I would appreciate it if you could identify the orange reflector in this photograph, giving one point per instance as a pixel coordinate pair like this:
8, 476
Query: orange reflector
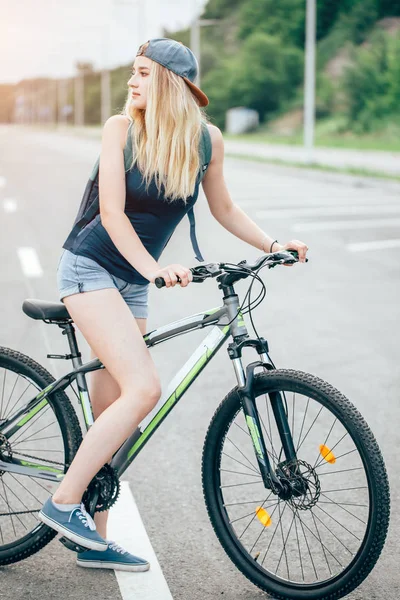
327, 454
263, 516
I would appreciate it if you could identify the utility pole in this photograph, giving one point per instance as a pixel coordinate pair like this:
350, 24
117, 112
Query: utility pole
195, 40
309, 81
79, 108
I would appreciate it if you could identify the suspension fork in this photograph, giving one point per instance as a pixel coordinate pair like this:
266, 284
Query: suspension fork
247, 399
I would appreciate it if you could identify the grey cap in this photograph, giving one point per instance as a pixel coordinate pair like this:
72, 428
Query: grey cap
178, 58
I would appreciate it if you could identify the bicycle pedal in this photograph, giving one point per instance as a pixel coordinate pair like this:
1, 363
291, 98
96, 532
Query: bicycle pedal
72, 545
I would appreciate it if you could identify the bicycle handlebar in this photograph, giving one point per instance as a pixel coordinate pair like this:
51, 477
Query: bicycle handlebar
236, 272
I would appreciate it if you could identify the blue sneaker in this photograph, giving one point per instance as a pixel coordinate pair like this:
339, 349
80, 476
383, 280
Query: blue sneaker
76, 525
115, 557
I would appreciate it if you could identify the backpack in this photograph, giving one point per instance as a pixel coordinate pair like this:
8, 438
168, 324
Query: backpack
89, 206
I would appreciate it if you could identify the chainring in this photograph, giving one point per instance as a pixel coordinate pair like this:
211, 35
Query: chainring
106, 484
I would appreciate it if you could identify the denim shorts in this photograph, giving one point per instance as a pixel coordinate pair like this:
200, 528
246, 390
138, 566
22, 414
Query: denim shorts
77, 274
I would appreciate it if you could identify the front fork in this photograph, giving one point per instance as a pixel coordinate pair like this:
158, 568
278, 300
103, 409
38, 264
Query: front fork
247, 397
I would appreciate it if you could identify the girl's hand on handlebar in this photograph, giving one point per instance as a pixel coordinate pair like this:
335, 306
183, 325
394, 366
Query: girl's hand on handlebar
173, 274
294, 245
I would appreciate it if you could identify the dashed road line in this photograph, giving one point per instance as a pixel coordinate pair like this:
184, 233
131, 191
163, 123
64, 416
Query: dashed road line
9, 205
376, 245
30, 263
327, 211
327, 225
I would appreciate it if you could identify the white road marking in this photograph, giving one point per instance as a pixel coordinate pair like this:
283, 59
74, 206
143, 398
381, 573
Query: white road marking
126, 527
3, 181
327, 225
9, 205
29, 262
377, 245
327, 211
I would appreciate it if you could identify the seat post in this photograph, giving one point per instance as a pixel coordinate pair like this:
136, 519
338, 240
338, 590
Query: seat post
75, 355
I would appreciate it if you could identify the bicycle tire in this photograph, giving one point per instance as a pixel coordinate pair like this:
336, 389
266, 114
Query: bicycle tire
339, 405
71, 434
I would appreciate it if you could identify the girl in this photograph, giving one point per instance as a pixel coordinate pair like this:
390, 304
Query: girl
104, 281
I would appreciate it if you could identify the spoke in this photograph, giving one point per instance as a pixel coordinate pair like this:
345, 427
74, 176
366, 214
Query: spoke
298, 545
244, 456
248, 502
341, 504
319, 537
251, 514
302, 425
362, 487
237, 484
29, 492
241, 428
326, 439
240, 463
12, 391
51, 437
7, 503
284, 548
273, 455
308, 547
32, 421
16, 514
312, 533
340, 542
254, 516
36, 450
293, 419
240, 473
263, 528
311, 426
337, 457
276, 529
336, 521
269, 424
2, 393
341, 471
10, 416
36, 432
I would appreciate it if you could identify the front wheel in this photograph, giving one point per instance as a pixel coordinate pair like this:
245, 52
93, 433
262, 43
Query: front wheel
323, 543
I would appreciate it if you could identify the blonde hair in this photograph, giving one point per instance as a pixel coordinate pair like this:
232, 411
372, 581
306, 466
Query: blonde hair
166, 135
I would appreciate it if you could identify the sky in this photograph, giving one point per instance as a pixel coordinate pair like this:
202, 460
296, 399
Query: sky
45, 38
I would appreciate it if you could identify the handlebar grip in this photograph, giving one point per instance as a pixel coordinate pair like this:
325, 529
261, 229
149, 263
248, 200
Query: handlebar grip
295, 253
160, 281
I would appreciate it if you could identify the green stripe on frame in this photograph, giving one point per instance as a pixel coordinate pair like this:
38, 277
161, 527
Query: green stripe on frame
32, 413
171, 400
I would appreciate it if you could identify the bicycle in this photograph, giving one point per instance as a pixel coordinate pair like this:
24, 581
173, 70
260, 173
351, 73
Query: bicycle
264, 455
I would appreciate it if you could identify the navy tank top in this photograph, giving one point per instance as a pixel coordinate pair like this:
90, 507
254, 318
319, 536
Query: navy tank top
153, 218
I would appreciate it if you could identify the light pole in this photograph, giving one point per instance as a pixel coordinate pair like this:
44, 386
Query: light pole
309, 81
105, 71
195, 39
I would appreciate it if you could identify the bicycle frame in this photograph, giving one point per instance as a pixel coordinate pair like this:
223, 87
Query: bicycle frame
218, 318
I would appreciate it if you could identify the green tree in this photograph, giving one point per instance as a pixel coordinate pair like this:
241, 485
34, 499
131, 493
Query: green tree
285, 18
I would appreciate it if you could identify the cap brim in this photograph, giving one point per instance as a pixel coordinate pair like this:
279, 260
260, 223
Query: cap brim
202, 98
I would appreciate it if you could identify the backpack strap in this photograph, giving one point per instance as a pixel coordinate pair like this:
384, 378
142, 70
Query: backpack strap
90, 206
205, 157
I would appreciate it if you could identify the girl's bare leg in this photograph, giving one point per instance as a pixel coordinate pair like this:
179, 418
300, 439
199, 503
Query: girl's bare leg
103, 391
113, 334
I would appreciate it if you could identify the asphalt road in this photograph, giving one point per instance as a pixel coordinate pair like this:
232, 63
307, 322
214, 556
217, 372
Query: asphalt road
336, 317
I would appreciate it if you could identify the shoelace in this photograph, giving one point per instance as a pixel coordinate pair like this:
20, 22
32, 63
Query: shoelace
114, 546
86, 519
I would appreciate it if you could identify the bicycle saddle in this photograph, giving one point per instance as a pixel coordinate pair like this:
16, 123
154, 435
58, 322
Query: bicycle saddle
43, 309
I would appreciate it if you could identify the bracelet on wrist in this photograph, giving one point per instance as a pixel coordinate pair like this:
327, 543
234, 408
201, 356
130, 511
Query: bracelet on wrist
270, 249
262, 244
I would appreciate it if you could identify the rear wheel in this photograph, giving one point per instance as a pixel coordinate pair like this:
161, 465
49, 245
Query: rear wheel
324, 542
51, 438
